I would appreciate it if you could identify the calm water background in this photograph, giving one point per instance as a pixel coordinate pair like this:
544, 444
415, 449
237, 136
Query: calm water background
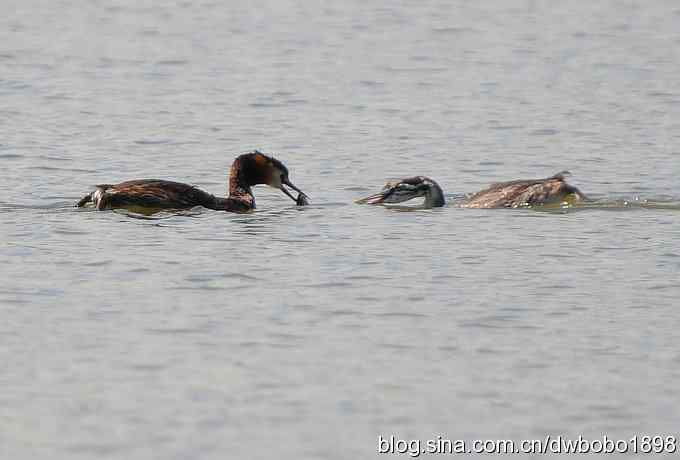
307, 332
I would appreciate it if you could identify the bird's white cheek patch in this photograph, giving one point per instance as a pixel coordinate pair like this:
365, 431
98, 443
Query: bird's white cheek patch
97, 195
275, 182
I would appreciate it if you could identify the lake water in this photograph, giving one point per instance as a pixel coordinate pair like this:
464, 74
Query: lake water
307, 333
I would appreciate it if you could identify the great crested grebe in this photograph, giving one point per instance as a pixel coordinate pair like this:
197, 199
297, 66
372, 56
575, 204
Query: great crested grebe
149, 195
553, 190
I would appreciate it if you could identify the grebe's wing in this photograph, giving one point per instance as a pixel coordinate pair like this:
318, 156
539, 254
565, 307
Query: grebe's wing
150, 193
513, 194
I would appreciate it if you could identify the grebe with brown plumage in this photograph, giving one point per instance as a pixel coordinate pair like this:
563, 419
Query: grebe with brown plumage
551, 191
151, 195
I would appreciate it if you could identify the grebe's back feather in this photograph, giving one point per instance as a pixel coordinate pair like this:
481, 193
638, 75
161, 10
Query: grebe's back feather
149, 193
517, 193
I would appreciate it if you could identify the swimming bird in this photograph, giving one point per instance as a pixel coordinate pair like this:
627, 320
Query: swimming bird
553, 190
151, 195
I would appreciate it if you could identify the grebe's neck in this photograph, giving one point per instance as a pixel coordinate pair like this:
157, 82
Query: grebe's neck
434, 198
239, 184
239, 189
240, 197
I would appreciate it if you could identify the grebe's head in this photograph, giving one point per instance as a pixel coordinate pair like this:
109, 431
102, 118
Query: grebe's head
257, 168
408, 189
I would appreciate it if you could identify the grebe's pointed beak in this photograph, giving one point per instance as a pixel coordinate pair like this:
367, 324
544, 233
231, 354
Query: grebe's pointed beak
392, 192
377, 198
301, 200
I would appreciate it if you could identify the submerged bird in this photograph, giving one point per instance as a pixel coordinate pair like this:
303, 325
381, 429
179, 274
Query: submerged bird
553, 190
408, 189
150, 195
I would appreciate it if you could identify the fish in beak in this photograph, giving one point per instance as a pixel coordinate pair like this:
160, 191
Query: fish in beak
301, 200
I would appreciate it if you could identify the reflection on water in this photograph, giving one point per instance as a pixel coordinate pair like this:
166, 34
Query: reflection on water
592, 203
661, 203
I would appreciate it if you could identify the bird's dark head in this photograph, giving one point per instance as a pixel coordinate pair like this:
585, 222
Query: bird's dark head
257, 168
406, 189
